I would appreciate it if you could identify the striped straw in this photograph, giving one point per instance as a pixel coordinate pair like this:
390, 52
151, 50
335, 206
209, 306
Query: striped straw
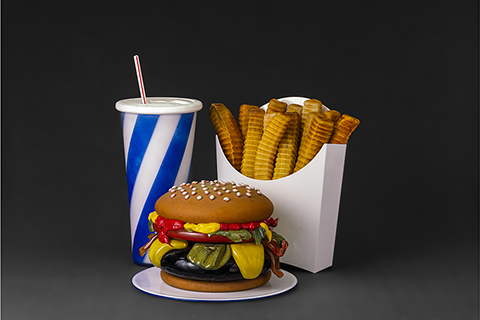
140, 78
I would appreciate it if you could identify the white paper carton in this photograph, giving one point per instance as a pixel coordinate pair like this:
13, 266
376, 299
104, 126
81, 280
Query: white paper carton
306, 203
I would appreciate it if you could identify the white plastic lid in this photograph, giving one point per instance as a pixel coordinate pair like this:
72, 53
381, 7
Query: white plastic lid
159, 105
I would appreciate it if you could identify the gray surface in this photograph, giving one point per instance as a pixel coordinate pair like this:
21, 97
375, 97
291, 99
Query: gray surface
425, 283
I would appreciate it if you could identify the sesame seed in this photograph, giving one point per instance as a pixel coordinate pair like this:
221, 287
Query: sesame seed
173, 195
226, 199
206, 192
212, 197
239, 194
199, 198
248, 194
187, 196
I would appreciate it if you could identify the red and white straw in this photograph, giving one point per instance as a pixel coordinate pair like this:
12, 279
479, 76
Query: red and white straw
140, 78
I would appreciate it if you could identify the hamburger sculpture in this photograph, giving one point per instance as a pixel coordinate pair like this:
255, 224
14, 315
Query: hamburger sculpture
214, 236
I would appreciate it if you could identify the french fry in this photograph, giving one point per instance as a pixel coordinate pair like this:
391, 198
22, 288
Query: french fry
275, 106
343, 129
250, 146
296, 108
267, 148
228, 133
266, 119
275, 143
288, 147
318, 134
309, 106
243, 118
312, 105
306, 123
333, 115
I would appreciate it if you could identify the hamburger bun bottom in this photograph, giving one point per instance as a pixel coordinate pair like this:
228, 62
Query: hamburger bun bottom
209, 286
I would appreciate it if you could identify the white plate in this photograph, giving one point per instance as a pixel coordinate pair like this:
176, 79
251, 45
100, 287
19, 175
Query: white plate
149, 281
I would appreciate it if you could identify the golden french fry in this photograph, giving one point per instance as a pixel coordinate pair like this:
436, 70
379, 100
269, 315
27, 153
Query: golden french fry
228, 133
296, 108
309, 106
250, 146
307, 120
282, 170
275, 106
333, 115
243, 118
266, 119
284, 165
288, 147
343, 129
319, 133
267, 148
312, 105
282, 140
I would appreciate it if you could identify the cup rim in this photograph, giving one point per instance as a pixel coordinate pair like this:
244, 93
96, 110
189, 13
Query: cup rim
159, 105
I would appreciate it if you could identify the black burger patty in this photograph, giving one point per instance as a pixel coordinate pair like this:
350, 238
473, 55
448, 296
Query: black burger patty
175, 262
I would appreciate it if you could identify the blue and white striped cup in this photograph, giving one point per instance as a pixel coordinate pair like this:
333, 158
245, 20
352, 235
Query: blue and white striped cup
158, 138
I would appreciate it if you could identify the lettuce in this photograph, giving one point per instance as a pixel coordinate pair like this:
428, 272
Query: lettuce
234, 235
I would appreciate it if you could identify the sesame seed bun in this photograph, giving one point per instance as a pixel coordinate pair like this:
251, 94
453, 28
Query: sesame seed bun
214, 201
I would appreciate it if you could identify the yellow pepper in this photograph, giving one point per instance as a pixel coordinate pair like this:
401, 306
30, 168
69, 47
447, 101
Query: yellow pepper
249, 258
158, 249
268, 233
153, 216
202, 227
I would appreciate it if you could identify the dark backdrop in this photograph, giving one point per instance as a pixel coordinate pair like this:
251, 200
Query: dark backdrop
407, 69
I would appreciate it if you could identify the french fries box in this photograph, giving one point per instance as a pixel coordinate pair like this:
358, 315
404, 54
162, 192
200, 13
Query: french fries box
306, 202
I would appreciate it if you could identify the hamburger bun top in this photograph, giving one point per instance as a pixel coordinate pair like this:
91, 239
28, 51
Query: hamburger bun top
214, 201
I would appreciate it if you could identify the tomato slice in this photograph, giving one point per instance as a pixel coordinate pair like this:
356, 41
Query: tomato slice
200, 237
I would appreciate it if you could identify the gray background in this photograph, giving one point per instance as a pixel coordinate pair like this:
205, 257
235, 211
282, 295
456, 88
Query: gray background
407, 239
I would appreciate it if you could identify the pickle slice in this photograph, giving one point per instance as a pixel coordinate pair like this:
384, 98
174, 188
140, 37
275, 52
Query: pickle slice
210, 256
